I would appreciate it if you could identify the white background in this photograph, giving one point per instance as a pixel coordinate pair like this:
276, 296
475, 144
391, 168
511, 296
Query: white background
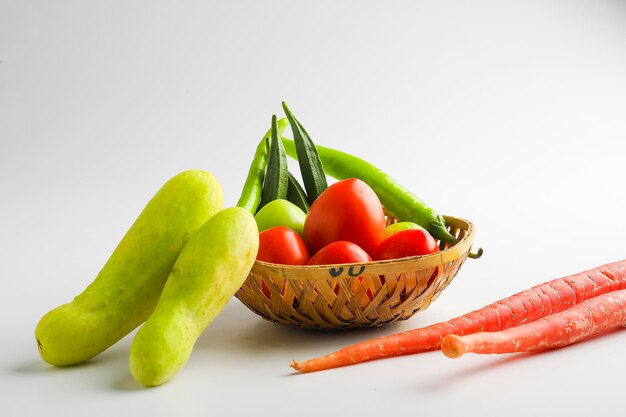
510, 114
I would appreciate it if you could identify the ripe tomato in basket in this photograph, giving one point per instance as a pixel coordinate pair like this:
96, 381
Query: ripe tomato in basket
340, 252
343, 252
281, 245
347, 210
410, 242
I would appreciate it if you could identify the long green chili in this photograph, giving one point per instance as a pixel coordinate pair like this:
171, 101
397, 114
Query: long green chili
252, 188
405, 205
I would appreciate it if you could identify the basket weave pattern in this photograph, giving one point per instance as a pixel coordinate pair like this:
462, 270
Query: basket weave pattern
354, 295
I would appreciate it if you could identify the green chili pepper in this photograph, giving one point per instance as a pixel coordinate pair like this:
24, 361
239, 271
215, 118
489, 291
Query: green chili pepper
398, 200
251, 192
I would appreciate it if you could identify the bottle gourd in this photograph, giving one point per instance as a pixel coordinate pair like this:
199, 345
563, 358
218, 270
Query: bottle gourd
209, 271
128, 287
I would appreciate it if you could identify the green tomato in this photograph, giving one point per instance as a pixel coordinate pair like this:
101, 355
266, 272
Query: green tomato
396, 227
280, 213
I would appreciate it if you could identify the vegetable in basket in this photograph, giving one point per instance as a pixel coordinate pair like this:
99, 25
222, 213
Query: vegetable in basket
253, 187
526, 306
410, 242
308, 158
281, 213
405, 205
340, 252
269, 177
296, 195
399, 226
347, 210
276, 179
282, 245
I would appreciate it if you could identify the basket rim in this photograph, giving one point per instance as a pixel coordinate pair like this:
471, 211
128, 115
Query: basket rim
308, 272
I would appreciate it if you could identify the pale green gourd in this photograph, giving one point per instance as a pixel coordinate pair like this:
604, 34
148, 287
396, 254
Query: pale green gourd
128, 287
210, 269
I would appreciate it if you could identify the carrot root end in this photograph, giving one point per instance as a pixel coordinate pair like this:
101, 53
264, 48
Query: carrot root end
452, 346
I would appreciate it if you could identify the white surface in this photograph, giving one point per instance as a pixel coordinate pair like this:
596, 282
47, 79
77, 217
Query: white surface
510, 114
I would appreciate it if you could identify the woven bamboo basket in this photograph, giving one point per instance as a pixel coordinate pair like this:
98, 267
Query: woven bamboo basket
355, 295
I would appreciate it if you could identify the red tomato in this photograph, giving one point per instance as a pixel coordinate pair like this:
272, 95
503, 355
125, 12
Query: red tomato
340, 252
410, 242
347, 210
281, 245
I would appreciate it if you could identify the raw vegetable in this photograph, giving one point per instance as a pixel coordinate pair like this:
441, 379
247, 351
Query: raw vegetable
251, 192
600, 314
410, 242
347, 210
296, 194
281, 245
526, 306
276, 176
396, 227
398, 200
208, 272
280, 213
128, 287
340, 252
310, 165
343, 252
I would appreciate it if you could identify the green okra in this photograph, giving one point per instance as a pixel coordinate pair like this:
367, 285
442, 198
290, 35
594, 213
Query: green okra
276, 176
310, 164
296, 194
252, 189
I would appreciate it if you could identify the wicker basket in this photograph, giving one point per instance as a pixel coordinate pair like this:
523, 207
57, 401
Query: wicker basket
355, 295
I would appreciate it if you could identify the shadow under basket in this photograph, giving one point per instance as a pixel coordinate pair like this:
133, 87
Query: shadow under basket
355, 295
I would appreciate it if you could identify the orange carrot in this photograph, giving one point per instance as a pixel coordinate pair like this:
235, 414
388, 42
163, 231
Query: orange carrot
599, 314
526, 306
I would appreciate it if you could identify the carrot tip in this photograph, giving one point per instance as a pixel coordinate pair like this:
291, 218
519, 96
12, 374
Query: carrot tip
452, 346
295, 365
